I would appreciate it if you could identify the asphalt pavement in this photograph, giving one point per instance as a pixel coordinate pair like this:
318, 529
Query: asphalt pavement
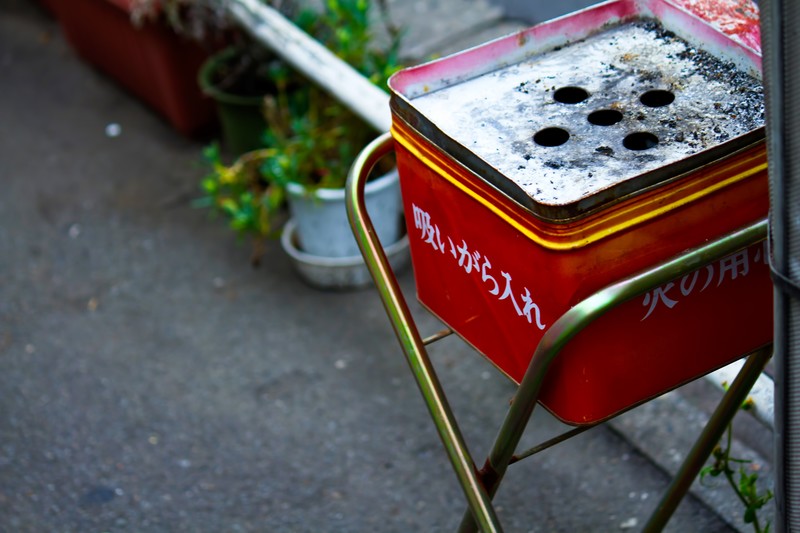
152, 380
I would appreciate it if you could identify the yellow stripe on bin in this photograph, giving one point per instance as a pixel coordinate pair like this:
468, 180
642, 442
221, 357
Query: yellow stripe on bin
577, 234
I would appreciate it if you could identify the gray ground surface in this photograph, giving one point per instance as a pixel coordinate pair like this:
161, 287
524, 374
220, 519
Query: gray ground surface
151, 380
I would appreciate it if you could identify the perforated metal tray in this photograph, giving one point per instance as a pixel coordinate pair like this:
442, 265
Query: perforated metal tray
568, 130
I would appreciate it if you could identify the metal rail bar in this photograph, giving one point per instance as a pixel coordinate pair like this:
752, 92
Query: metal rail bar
480, 487
708, 439
550, 443
762, 394
578, 318
410, 341
439, 335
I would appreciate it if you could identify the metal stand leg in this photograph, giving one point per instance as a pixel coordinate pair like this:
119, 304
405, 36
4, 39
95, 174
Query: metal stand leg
410, 340
712, 433
572, 323
480, 487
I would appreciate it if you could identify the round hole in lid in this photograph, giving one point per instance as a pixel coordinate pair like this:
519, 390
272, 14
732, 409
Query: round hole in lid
640, 140
657, 98
551, 137
570, 95
605, 117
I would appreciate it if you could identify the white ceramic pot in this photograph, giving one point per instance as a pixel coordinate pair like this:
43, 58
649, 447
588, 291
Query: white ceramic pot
338, 273
320, 218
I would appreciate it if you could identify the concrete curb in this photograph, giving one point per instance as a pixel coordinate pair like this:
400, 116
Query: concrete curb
665, 429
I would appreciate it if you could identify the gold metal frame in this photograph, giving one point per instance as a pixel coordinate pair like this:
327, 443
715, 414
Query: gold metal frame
480, 485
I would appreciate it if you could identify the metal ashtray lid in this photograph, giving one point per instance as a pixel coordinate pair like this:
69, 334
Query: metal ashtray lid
567, 130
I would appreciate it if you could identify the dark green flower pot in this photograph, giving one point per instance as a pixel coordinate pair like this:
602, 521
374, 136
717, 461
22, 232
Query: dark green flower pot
239, 106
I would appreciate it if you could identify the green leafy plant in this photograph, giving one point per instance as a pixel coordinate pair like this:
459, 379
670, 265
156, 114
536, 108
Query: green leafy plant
241, 193
743, 482
317, 138
345, 28
311, 139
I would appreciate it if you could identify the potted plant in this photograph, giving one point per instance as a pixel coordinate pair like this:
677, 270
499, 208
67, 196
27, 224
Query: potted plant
238, 78
233, 73
311, 142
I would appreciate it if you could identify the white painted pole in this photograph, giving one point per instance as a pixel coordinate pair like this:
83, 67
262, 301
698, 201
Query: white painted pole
314, 61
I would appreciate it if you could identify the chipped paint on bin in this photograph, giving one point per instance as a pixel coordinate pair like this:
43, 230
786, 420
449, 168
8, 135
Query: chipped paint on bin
740, 19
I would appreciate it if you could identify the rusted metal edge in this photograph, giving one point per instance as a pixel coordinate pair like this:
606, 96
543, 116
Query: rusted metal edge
561, 214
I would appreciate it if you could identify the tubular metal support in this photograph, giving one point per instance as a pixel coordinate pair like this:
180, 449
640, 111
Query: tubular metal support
479, 488
710, 436
574, 321
409, 337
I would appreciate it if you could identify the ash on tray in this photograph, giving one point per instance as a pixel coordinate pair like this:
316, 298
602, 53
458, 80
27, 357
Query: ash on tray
571, 122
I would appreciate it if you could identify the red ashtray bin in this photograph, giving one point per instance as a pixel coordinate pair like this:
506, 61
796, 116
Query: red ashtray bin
541, 167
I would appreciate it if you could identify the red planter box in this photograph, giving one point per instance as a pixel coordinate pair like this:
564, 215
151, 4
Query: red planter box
151, 62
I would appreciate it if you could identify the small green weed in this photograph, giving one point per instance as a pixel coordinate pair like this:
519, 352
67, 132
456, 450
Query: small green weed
741, 477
